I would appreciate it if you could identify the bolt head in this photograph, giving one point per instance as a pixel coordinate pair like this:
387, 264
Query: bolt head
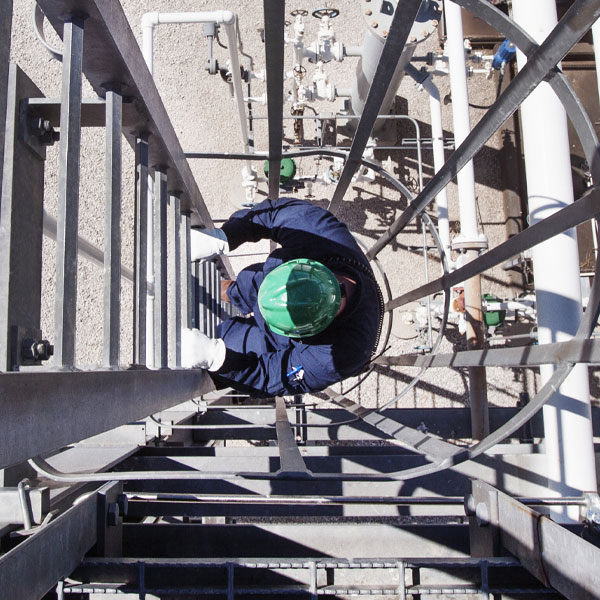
384, 33
368, 12
374, 24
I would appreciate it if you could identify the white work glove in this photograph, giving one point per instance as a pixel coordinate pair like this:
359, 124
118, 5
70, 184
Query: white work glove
207, 243
198, 351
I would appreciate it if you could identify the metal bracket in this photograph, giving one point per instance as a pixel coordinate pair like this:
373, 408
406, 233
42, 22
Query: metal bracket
11, 504
28, 348
35, 131
112, 507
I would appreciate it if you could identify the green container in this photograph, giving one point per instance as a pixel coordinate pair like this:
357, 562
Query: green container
287, 171
493, 318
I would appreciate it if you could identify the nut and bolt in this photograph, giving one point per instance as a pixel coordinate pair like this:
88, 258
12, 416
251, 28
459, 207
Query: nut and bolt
39, 126
384, 33
368, 12
374, 24
36, 349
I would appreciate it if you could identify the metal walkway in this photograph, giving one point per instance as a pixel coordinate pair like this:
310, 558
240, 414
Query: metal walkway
98, 497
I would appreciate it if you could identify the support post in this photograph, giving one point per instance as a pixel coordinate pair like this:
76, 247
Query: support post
160, 269
21, 225
175, 261
141, 249
68, 192
186, 271
112, 226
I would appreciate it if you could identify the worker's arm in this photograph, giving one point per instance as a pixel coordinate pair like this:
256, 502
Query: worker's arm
291, 223
281, 373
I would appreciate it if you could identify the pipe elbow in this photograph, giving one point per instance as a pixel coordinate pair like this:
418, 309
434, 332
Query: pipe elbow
150, 20
227, 17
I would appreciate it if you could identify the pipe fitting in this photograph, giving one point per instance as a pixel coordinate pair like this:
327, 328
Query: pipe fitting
150, 20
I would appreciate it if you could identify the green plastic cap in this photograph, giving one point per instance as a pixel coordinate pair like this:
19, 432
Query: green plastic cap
299, 298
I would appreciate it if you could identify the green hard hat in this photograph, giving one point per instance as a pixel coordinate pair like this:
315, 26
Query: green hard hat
299, 298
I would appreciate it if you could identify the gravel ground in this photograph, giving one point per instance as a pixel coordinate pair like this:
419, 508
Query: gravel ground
201, 110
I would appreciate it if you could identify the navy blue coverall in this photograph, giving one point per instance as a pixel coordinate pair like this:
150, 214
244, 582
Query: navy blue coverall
264, 363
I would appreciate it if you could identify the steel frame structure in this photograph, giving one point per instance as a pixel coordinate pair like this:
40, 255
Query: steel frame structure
45, 410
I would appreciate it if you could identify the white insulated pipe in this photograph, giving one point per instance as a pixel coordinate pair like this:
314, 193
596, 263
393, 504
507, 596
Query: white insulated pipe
567, 416
455, 48
439, 158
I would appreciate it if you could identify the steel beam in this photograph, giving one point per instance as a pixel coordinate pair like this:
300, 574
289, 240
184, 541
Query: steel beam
68, 193
32, 568
93, 111
274, 15
571, 28
43, 412
21, 225
402, 22
574, 351
140, 288
112, 227
349, 540
290, 460
161, 315
175, 267
554, 555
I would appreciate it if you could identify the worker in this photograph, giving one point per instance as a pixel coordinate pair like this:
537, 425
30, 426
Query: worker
310, 314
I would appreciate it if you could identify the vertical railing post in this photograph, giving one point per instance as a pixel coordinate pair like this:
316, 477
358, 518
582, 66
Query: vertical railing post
160, 269
141, 249
175, 260
186, 271
68, 192
112, 226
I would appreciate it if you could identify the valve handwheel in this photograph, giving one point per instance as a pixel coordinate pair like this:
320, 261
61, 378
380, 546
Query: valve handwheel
332, 13
299, 12
300, 70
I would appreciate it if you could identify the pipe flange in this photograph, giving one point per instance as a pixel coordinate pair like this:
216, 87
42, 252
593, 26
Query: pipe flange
379, 18
470, 245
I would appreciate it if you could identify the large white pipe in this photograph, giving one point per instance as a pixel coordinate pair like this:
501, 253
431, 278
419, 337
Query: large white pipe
437, 140
567, 417
455, 48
